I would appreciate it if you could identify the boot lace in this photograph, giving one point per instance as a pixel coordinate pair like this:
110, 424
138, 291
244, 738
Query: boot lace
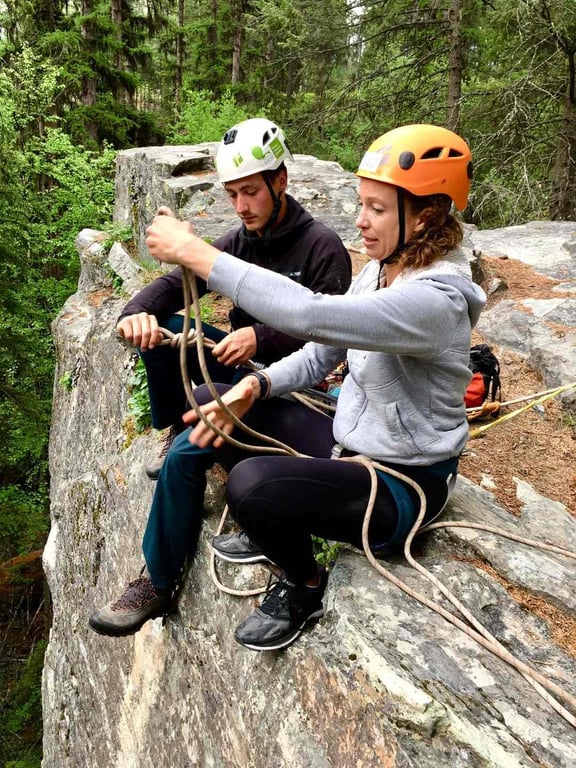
138, 593
167, 441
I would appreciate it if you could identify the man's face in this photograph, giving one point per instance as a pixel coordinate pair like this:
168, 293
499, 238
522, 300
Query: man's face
252, 200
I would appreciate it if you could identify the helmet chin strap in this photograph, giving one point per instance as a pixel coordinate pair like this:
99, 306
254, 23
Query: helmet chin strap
397, 252
277, 199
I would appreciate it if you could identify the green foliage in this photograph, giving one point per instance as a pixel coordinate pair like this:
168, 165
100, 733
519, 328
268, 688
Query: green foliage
74, 189
203, 118
21, 722
115, 123
206, 309
139, 400
325, 551
28, 88
116, 232
23, 520
66, 381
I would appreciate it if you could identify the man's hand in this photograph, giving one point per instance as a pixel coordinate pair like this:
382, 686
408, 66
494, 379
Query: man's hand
236, 348
240, 398
141, 330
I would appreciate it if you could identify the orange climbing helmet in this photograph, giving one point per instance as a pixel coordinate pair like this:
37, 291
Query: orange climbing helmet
422, 159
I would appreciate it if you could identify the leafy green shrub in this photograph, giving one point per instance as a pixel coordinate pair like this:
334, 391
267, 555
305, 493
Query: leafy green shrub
66, 381
23, 521
325, 551
21, 724
203, 118
76, 191
139, 400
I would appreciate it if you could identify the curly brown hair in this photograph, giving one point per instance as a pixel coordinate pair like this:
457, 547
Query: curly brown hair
441, 234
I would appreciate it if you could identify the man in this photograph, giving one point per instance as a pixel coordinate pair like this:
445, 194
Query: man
276, 233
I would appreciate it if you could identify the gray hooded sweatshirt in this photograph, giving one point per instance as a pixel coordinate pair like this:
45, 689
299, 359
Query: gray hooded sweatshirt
407, 347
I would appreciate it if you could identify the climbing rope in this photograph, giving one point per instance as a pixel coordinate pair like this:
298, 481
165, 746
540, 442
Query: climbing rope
476, 631
533, 400
473, 628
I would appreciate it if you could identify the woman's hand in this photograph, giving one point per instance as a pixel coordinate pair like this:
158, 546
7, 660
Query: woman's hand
239, 399
174, 242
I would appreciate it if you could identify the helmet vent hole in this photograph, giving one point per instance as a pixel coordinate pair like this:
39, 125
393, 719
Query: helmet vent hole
432, 154
230, 136
265, 138
454, 153
406, 160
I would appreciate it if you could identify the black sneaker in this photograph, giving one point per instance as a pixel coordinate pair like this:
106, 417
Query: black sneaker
153, 469
238, 548
284, 613
138, 603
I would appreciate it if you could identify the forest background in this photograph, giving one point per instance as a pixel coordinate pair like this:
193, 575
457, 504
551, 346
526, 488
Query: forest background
80, 80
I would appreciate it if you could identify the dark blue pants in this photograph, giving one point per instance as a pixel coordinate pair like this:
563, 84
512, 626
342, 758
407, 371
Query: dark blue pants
175, 518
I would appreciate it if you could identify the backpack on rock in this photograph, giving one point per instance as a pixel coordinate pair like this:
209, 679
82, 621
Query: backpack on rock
485, 381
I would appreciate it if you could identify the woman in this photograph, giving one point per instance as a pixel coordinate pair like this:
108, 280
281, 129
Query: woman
404, 329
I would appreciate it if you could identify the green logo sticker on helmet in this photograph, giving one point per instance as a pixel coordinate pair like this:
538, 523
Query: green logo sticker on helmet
258, 153
238, 160
277, 147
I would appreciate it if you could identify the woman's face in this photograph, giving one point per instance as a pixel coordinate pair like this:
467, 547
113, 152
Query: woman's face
378, 218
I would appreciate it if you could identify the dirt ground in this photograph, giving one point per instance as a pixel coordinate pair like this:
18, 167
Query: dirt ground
537, 445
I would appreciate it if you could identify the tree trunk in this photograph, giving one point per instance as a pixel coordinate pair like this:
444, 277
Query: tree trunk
455, 66
179, 74
117, 16
213, 28
237, 51
563, 195
88, 93
268, 58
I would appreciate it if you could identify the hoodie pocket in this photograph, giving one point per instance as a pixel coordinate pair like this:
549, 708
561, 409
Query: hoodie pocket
401, 432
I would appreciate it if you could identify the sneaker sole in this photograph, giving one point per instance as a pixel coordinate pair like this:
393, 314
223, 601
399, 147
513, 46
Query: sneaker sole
286, 641
109, 630
261, 558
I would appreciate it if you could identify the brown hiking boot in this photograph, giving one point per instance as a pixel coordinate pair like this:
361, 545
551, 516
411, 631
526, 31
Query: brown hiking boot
139, 602
153, 469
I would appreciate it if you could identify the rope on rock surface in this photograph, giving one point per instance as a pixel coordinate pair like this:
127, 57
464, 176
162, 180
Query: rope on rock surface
516, 400
474, 629
535, 400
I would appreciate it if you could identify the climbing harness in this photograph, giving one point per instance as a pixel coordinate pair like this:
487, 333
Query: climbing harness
549, 690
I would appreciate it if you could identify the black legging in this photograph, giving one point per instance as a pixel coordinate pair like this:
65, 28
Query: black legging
281, 501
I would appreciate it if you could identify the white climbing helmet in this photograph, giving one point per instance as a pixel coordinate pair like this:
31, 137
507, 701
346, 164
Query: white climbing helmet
252, 146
